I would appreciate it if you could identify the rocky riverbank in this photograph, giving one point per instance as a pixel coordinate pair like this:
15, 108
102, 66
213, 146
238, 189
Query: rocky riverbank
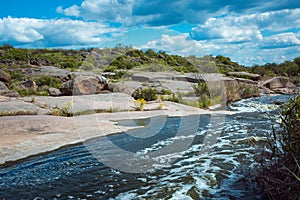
23, 136
43, 107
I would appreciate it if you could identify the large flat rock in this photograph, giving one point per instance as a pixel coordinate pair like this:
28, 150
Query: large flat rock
17, 107
85, 103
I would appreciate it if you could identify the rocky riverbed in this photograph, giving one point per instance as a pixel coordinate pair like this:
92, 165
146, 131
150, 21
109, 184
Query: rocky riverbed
35, 124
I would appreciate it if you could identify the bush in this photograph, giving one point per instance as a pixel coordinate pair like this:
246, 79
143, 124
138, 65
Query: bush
201, 89
49, 81
149, 94
247, 91
139, 103
166, 92
63, 111
204, 102
26, 92
280, 169
17, 76
110, 68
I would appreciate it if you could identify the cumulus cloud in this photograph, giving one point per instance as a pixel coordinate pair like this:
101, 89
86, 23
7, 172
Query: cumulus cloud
112, 10
250, 53
242, 37
71, 11
52, 32
246, 27
179, 44
281, 40
216, 29
168, 12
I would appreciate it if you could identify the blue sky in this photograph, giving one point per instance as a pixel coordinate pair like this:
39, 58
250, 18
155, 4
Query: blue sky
249, 32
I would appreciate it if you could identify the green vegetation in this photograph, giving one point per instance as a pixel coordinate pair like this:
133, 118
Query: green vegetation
49, 81
63, 111
17, 76
140, 103
247, 91
280, 169
235, 92
18, 112
201, 89
225, 65
148, 94
121, 59
287, 68
17, 57
151, 61
125, 57
43, 83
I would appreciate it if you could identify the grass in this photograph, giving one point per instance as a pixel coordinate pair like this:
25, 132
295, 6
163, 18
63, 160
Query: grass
63, 111
18, 112
279, 170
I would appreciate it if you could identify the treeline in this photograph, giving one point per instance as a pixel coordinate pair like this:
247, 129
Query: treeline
126, 58
287, 68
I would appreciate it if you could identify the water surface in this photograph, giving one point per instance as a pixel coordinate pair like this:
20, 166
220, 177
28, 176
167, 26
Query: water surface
222, 172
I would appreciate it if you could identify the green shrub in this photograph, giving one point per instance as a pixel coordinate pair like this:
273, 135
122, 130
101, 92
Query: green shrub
26, 92
63, 111
110, 68
174, 98
247, 91
17, 76
204, 101
166, 92
87, 66
149, 94
201, 89
49, 81
140, 103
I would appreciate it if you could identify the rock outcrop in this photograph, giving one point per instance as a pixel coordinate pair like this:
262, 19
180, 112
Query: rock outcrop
83, 85
245, 75
29, 84
246, 81
278, 82
281, 85
4, 77
54, 92
3, 86
48, 71
9, 93
4, 91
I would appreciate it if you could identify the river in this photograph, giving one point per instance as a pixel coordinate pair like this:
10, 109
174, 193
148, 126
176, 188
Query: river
221, 169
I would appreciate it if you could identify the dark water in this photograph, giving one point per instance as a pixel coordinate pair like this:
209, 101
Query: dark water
218, 162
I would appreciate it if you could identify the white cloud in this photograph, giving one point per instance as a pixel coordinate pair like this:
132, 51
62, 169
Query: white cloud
220, 30
166, 12
277, 48
246, 53
180, 44
53, 32
281, 40
252, 39
113, 10
246, 27
71, 11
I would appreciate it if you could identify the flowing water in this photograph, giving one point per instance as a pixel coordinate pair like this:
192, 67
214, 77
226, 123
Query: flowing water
223, 171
